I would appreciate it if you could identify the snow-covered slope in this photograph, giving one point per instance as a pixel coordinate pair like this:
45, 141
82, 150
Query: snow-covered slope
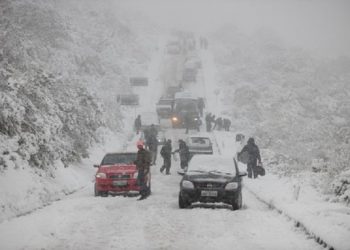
62, 64
295, 103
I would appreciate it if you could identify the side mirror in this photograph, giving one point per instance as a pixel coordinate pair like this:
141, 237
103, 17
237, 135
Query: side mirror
242, 174
96, 166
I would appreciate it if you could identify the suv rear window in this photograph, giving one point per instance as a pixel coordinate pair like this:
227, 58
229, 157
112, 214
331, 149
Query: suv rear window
111, 159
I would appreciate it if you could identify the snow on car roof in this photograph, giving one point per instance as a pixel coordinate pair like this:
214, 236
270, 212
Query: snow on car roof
211, 163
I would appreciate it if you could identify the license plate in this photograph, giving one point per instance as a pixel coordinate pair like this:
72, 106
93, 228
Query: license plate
120, 183
209, 193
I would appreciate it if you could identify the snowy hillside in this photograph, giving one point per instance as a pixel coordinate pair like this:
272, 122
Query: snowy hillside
59, 64
297, 104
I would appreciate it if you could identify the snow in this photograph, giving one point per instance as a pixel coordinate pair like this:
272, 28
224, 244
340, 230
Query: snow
55, 208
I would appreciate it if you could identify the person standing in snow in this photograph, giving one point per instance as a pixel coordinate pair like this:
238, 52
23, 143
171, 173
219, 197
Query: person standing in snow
153, 148
184, 153
138, 124
201, 106
208, 122
165, 152
227, 124
253, 157
143, 163
187, 121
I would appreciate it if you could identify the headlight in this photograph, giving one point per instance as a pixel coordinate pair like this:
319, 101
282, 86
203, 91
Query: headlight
174, 119
231, 186
136, 174
187, 185
196, 119
101, 175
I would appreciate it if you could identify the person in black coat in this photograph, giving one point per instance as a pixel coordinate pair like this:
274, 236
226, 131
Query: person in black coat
138, 124
253, 157
184, 153
165, 152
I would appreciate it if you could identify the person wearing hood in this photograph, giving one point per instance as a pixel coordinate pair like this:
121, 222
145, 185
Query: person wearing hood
254, 157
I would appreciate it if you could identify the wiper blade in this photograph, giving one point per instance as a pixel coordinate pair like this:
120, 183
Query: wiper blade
219, 172
199, 171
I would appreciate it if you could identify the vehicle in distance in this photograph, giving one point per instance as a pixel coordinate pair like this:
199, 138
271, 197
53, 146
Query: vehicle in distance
128, 99
199, 145
185, 105
164, 107
172, 90
117, 174
138, 81
210, 179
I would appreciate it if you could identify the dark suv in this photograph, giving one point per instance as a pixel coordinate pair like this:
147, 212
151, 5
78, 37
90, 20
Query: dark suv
211, 178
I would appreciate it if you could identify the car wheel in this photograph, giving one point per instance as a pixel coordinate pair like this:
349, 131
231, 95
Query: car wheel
183, 203
237, 202
97, 193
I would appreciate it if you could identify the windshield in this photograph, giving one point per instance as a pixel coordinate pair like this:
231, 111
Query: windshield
165, 102
200, 140
111, 159
212, 164
186, 105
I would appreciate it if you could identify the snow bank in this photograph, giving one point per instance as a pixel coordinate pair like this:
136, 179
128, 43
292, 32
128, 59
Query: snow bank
328, 221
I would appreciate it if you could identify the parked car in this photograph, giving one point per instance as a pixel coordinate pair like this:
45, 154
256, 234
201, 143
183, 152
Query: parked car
210, 179
128, 99
164, 107
199, 145
117, 174
138, 81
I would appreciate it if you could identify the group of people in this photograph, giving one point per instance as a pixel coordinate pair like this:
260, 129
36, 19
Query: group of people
147, 152
218, 123
166, 152
144, 161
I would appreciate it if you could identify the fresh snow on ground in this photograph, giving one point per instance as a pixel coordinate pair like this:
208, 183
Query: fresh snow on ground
59, 211
295, 198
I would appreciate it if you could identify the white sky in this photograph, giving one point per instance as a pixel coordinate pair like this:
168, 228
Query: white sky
321, 25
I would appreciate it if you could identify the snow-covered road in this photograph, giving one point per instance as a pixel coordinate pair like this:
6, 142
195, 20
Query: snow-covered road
82, 221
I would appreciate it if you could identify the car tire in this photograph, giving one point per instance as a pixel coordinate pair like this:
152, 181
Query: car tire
97, 193
183, 203
237, 202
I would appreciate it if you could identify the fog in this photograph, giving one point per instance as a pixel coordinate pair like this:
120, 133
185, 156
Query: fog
318, 25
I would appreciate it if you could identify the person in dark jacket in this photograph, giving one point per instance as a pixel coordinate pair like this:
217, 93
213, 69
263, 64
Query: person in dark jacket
201, 106
153, 148
184, 153
143, 163
138, 124
187, 122
218, 123
208, 122
253, 157
227, 124
165, 152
